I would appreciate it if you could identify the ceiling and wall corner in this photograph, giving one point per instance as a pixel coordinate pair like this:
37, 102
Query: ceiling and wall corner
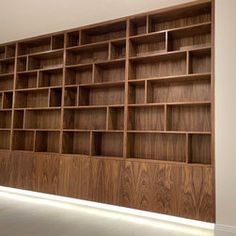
28, 21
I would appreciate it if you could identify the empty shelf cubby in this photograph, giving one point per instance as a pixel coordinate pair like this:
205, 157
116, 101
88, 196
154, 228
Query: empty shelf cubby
55, 97
199, 149
34, 46
115, 118
136, 92
23, 140
198, 89
10, 50
7, 100
79, 75
109, 95
47, 141
5, 136
32, 98
85, 118
107, 144
2, 52
5, 119
6, 82
26, 80
148, 44
43, 119
180, 17
73, 38
18, 121
71, 96
157, 146
52, 77
76, 143
109, 72
103, 33
138, 26
7, 66
189, 117
146, 118
117, 49
22, 64
87, 54
57, 41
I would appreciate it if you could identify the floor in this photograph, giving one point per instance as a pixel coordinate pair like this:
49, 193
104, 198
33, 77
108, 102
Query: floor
29, 216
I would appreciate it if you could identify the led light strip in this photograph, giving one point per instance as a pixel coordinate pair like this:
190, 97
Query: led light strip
140, 213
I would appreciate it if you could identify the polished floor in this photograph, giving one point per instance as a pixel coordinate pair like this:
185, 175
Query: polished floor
22, 215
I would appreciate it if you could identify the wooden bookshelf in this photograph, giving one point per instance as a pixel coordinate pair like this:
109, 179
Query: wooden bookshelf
138, 90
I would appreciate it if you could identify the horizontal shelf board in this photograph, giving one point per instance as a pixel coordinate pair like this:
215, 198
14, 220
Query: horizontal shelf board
92, 106
6, 75
6, 90
5, 129
168, 132
37, 108
33, 129
9, 59
90, 46
6, 109
93, 130
170, 104
37, 88
39, 70
45, 53
103, 84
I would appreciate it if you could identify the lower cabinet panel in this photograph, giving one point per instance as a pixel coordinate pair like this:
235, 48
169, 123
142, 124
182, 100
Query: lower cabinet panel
174, 189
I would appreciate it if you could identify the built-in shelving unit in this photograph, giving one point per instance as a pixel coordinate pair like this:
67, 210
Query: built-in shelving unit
136, 88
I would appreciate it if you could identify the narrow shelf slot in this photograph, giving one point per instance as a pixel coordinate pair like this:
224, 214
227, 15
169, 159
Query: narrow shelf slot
43, 119
166, 147
199, 149
46, 60
10, 50
71, 96
2, 52
146, 118
138, 26
47, 141
179, 91
22, 64
109, 72
31, 99
34, 46
180, 17
7, 100
6, 82
76, 143
118, 48
51, 77
136, 93
55, 97
5, 139
148, 44
110, 95
85, 55
189, 117
107, 144
79, 75
18, 122
85, 119
23, 140
5, 119
73, 39
116, 118
103, 33
57, 41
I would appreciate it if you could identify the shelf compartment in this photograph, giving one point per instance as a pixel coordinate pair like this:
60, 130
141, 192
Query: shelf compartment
199, 149
34, 46
57, 41
157, 146
1, 100
10, 50
71, 96
138, 26
46, 60
5, 119
22, 64
55, 97
73, 39
43, 119
52, 77
148, 44
190, 37
146, 118
106, 95
103, 33
18, 120
76, 143
136, 92
116, 118
109, 72
117, 49
200, 61
87, 54
79, 75
187, 117
107, 144
179, 91
85, 118
47, 141
7, 66
2, 52
6, 82
5, 139
180, 17
23, 140
26, 80
158, 66
7, 100
32, 98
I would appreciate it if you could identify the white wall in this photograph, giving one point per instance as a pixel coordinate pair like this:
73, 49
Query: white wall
26, 18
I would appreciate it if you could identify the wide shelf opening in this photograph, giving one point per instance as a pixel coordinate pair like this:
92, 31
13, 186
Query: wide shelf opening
23, 140
26, 80
50, 78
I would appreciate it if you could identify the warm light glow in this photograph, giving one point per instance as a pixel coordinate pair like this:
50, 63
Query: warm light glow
66, 202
